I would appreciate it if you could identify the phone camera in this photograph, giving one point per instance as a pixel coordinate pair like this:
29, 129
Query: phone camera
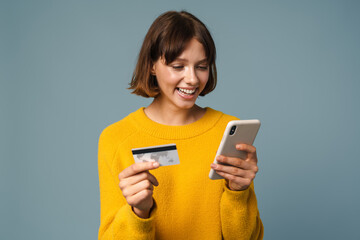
232, 130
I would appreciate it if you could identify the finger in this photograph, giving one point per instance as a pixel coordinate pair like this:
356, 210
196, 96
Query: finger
152, 179
140, 177
137, 168
138, 187
236, 162
235, 179
249, 149
125, 182
230, 170
138, 197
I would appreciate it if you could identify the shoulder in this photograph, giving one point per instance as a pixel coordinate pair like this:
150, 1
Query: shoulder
223, 118
119, 131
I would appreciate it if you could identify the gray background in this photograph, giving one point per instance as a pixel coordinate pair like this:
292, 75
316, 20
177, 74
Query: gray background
65, 67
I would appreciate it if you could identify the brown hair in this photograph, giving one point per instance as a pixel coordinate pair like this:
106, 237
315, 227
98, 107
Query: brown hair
167, 37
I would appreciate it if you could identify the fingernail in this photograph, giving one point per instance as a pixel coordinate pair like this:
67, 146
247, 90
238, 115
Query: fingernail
218, 158
156, 164
213, 165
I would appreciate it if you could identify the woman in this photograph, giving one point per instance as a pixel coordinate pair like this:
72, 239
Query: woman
176, 64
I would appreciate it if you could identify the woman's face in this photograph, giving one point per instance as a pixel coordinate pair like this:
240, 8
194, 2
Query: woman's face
182, 80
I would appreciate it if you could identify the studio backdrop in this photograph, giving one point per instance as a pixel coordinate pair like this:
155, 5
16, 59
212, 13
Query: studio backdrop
65, 68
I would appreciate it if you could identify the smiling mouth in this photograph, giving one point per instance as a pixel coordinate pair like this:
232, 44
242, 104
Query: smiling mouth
186, 91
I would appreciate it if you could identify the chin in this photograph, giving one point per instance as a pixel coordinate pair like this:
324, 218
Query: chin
186, 106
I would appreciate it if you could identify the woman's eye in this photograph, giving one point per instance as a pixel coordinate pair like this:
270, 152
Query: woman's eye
203, 67
177, 67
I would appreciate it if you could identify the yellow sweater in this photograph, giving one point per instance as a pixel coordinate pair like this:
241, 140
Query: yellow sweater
188, 204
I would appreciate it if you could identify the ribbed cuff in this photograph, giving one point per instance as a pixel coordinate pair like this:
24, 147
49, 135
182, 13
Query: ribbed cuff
235, 196
141, 225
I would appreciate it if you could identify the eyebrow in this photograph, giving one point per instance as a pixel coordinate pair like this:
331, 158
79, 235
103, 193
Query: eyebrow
185, 60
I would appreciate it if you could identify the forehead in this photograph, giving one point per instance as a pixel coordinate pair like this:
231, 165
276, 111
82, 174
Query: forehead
193, 50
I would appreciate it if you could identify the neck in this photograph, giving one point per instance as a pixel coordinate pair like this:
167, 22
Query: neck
172, 115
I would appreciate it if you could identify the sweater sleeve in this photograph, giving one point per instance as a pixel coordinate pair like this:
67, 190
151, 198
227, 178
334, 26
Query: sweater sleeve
117, 220
240, 217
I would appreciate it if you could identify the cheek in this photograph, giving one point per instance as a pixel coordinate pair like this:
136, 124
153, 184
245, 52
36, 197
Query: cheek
167, 78
204, 78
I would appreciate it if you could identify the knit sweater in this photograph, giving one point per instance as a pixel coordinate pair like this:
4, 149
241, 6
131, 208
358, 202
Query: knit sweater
188, 205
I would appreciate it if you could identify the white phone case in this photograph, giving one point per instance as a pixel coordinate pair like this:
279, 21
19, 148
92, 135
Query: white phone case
245, 132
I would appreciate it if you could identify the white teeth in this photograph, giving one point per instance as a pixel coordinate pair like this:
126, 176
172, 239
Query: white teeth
187, 91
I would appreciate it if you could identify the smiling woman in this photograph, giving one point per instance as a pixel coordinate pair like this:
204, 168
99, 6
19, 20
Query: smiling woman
181, 81
176, 65
166, 39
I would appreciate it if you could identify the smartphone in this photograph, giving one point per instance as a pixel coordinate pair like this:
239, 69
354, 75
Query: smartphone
237, 131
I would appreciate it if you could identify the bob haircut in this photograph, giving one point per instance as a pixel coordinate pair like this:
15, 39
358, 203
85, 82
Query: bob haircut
167, 37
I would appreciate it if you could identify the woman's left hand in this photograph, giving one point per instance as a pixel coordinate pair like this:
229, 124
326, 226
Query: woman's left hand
240, 172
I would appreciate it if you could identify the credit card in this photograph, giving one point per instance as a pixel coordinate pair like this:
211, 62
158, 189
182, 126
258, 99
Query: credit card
165, 155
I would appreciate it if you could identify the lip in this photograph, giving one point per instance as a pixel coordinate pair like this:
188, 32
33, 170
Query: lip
188, 88
187, 97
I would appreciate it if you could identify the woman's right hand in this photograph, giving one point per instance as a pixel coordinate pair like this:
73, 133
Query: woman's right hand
137, 185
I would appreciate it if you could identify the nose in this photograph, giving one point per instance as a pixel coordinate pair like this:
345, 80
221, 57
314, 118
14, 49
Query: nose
191, 77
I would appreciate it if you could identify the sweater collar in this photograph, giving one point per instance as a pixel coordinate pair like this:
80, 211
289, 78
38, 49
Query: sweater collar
145, 124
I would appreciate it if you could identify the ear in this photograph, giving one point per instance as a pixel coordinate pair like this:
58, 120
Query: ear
153, 72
